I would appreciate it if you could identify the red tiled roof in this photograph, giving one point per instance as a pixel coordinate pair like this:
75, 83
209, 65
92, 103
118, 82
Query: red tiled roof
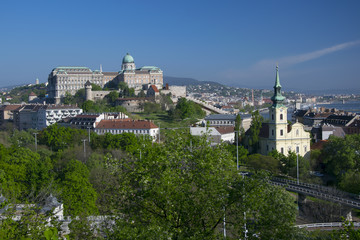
10, 107
125, 124
225, 129
154, 88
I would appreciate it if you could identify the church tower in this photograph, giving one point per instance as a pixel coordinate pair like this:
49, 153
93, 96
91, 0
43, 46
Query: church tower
277, 117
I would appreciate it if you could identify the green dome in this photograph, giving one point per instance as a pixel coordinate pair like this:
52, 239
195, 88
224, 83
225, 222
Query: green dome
128, 59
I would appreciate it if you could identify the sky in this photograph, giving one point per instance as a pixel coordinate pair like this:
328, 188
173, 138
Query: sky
236, 43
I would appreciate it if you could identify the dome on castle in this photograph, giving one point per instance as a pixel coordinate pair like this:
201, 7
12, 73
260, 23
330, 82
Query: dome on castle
128, 59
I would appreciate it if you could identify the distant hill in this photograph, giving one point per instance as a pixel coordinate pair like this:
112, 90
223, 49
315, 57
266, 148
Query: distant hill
178, 81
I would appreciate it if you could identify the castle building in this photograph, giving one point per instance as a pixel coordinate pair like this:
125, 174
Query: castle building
137, 77
64, 80
277, 134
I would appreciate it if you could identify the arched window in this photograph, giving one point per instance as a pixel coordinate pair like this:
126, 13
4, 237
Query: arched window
281, 117
272, 116
297, 132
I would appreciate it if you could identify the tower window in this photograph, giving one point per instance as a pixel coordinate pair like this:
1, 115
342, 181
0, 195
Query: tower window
281, 117
272, 132
297, 149
272, 116
282, 150
281, 132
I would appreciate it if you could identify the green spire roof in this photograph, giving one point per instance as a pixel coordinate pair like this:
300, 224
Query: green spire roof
277, 98
277, 79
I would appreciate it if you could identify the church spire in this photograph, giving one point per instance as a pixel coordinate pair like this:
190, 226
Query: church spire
277, 98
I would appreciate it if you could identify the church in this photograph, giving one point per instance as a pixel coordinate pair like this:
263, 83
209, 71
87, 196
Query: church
277, 133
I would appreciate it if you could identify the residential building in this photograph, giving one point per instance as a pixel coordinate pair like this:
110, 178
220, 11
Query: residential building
217, 120
38, 116
90, 120
118, 126
7, 112
215, 135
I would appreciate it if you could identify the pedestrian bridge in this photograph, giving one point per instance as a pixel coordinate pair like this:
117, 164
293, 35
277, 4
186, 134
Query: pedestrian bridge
326, 226
318, 191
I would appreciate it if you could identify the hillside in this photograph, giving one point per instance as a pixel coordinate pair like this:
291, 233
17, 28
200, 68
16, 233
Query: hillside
186, 81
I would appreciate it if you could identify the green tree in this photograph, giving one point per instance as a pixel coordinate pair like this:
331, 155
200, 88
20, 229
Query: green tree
68, 99
56, 137
95, 87
150, 107
111, 97
261, 162
256, 122
78, 195
186, 109
181, 190
342, 154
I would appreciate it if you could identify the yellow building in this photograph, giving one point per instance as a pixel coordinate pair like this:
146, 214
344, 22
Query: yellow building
277, 133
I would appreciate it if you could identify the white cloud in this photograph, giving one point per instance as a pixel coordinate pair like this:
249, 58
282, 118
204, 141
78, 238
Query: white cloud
292, 60
261, 70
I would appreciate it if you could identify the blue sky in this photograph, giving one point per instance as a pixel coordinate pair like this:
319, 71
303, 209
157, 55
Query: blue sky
316, 43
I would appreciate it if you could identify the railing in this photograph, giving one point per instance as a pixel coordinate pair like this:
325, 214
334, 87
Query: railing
323, 189
322, 225
325, 196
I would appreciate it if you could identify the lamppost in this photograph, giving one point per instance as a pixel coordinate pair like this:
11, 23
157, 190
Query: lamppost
84, 140
159, 132
245, 229
89, 132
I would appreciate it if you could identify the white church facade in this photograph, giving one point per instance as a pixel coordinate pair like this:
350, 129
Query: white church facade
277, 134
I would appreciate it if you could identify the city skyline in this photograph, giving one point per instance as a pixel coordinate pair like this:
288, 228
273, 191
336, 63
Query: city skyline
236, 43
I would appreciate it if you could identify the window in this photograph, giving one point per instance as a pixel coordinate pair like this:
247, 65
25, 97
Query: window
281, 117
282, 150
272, 116
305, 149
297, 132
267, 147
297, 149
272, 132
281, 132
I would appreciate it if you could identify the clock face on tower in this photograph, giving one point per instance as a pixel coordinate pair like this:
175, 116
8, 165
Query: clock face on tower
281, 110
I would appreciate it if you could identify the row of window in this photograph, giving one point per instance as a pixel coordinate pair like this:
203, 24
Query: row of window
119, 131
282, 132
297, 149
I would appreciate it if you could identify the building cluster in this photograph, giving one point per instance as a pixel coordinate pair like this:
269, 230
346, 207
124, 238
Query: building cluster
323, 122
36, 116
63, 80
113, 123
40, 116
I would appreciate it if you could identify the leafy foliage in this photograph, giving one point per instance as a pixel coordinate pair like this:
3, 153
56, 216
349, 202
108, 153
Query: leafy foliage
186, 109
256, 121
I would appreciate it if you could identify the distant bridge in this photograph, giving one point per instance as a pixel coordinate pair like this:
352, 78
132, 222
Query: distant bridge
318, 191
326, 226
207, 106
